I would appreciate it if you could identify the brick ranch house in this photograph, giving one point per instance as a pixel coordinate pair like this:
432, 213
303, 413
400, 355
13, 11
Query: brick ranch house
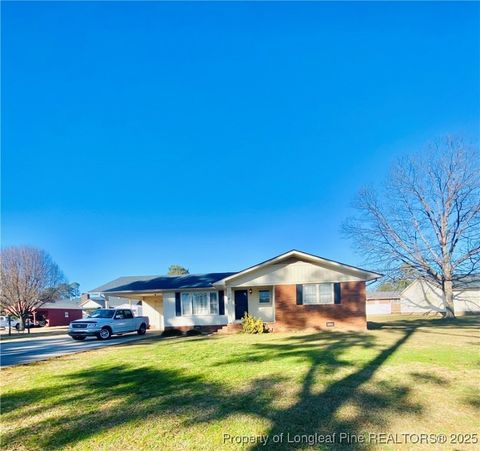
293, 291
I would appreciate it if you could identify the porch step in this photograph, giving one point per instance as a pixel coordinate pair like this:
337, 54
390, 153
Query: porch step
232, 328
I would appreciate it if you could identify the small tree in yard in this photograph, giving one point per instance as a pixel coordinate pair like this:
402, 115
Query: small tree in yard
29, 278
425, 218
177, 270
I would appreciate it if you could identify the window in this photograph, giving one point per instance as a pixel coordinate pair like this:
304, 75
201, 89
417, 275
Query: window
102, 313
120, 314
310, 294
264, 296
128, 314
214, 303
186, 304
200, 303
66, 314
320, 293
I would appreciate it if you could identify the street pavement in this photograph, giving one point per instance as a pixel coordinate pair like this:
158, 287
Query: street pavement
33, 349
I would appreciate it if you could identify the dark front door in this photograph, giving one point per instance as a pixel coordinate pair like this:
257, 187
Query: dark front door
241, 303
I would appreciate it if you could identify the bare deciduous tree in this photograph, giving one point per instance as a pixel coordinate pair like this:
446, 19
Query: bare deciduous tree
29, 278
425, 217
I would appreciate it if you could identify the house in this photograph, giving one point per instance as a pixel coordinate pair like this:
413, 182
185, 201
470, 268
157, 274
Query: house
93, 301
422, 296
58, 313
383, 302
293, 291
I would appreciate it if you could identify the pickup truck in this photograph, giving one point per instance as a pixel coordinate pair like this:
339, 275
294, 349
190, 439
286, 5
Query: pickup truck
103, 323
14, 323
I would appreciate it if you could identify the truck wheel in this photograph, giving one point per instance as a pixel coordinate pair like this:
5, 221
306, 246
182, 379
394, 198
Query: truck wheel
142, 329
79, 337
104, 334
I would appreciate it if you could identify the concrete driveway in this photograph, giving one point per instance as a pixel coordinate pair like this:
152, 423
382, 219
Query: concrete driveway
33, 349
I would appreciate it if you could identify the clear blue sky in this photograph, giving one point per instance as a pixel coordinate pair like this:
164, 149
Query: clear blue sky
216, 135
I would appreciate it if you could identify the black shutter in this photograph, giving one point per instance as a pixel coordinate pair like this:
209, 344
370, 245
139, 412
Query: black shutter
221, 302
299, 294
178, 304
337, 293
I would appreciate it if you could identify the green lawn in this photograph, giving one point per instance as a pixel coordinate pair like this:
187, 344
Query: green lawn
407, 376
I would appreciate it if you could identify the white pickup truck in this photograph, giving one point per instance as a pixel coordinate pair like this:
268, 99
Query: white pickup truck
103, 323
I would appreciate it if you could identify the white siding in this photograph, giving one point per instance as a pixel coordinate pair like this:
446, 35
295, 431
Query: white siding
171, 320
262, 311
467, 300
229, 305
153, 308
377, 308
423, 297
292, 272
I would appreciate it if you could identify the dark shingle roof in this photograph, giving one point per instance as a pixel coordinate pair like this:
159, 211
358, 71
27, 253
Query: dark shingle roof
468, 282
147, 283
376, 295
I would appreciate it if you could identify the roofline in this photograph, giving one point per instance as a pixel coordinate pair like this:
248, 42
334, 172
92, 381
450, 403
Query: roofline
380, 298
148, 278
156, 290
297, 252
428, 282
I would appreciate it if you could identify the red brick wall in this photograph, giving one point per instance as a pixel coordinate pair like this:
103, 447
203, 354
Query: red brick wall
56, 317
349, 314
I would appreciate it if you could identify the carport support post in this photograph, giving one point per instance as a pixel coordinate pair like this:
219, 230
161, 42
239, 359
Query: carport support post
106, 301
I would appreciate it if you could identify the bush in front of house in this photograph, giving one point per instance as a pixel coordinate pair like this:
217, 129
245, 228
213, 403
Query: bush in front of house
193, 332
252, 325
172, 333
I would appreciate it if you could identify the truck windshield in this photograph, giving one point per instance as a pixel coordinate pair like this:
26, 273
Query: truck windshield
102, 313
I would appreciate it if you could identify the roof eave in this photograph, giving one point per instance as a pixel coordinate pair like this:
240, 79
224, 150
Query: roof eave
367, 275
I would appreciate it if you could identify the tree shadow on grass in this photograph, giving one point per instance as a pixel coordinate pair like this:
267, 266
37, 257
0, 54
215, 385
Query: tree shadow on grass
108, 396
320, 412
429, 378
467, 322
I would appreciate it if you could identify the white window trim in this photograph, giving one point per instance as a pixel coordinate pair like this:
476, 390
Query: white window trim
269, 297
317, 285
190, 301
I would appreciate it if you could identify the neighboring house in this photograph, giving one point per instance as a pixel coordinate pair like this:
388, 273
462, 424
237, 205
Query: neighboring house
383, 302
294, 290
58, 313
423, 297
93, 301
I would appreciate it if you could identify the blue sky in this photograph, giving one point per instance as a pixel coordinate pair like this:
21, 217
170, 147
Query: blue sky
216, 135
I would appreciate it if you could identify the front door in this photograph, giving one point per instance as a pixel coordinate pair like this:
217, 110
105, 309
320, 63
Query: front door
241, 303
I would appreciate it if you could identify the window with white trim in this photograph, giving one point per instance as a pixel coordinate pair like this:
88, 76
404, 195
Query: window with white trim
199, 303
318, 293
186, 304
214, 303
264, 297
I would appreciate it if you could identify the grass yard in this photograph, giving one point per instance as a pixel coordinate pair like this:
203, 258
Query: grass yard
405, 376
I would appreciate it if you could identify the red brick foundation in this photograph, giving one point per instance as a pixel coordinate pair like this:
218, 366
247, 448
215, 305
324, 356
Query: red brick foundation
203, 329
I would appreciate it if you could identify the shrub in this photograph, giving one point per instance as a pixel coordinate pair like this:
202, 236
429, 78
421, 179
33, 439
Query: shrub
252, 325
193, 332
172, 333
